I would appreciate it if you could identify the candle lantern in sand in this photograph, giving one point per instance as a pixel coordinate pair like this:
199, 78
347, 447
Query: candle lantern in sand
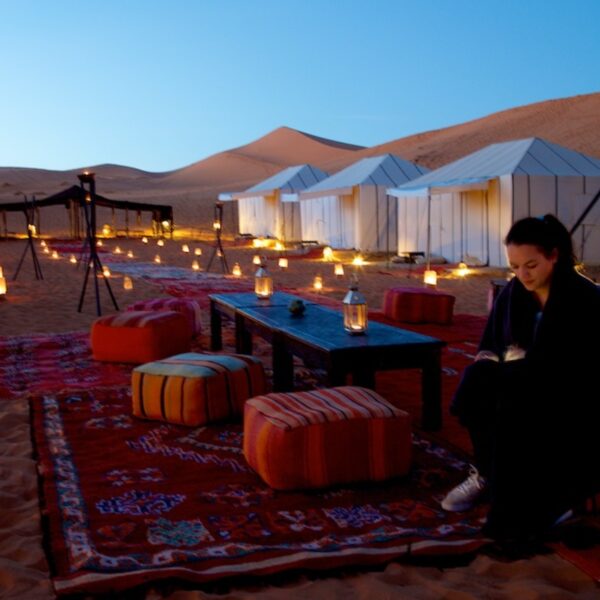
430, 278
256, 259
43, 243
157, 259
263, 283
462, 270
318, 283
195, 265
358, 261
127, 283
237, 270
197, 251
1, 272
185, 248
283, 263
129, 253
99, 243
339, 270
355, 310
160, 243
118, 250
55, 255
327, 253
144, 240
73, 259
106, 272
2, 286
46, 250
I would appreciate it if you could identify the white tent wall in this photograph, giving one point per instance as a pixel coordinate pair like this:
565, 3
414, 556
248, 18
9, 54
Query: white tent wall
329, 220
289, 221
377, 219
412, 224
258, 215
566, 197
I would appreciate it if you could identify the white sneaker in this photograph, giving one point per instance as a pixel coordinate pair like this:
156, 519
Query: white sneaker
466, 494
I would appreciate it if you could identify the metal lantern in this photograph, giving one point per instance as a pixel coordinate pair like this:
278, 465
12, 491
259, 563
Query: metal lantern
355, 311
263, 283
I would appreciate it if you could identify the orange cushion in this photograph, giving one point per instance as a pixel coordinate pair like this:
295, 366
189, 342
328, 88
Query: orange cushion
139, 336
325, 437
195, 389
418, 305
189, 308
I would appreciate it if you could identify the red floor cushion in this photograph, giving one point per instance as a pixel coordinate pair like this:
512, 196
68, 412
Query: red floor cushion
418, 305
187, 307
139, 336
325, 437
196, 389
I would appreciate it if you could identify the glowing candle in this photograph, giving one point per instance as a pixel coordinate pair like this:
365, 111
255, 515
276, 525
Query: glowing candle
256, 259
283, 263
197, 251
430, 278
72, 259
127, 283
118, 250
54, 254
339, 270
144, 240
129, 253
185, 248
327, 253
318, 283
237, 270
160, 243
195, 265
106, 272
157, 259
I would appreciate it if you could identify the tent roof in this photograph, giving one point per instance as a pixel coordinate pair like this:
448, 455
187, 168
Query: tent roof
385, 170
77, 193
530, 156
290, 181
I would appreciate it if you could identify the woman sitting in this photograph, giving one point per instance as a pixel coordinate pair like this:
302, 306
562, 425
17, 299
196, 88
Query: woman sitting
531, 400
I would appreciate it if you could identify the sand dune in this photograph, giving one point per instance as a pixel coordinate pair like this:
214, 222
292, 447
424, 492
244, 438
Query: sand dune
192, 190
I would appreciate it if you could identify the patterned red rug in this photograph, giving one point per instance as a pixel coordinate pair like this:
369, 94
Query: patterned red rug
129, 502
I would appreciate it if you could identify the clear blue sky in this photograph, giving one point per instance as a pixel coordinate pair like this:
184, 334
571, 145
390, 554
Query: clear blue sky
161, 84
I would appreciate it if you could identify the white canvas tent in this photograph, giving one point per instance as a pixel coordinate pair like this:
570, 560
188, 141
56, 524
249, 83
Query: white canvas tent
463, 210
268, 209
351, 209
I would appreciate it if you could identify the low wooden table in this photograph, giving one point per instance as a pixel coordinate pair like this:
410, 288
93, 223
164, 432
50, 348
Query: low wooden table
320, 340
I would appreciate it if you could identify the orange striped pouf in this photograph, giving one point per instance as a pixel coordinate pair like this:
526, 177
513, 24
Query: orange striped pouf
418, 305
325, 437
139, 336
187, 307
196, 389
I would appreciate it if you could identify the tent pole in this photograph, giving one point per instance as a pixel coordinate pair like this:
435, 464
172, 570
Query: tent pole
428, 231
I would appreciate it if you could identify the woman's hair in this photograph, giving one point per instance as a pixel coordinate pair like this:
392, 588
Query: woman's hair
548, 234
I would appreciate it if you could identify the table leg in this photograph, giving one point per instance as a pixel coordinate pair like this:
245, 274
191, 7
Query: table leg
216, 340
243, 338
431, 417
283, 366
364, 378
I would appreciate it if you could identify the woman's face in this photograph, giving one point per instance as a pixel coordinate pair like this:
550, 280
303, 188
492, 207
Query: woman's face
531, 266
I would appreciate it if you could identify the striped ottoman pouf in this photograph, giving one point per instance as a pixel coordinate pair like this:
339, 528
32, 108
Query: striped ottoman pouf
190, 309
139, 336
195, 389
418, 305
325, 437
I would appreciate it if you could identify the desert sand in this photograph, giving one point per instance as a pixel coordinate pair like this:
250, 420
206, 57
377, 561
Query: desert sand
50, 305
